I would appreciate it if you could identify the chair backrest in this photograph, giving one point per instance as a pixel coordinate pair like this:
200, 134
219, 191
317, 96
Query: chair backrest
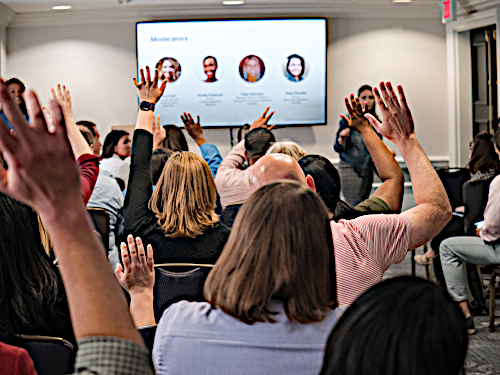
453, 180
148, 334
100, 217
51, 355
176, 282
475, 196
229, 214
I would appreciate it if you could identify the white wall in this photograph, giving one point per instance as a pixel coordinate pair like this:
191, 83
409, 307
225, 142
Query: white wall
97, 63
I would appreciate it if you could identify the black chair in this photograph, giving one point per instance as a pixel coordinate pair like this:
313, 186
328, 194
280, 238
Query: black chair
51, 355
453, 180
229, 214
100, 217
175, 282
148, 334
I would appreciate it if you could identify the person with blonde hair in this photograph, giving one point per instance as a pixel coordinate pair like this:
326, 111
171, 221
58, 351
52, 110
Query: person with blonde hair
271, 295
288, 148
178, 218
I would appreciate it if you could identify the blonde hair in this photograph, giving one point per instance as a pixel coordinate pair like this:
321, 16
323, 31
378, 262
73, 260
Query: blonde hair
184, 198
288, 148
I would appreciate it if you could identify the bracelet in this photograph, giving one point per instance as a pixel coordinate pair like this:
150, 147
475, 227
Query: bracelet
147, 106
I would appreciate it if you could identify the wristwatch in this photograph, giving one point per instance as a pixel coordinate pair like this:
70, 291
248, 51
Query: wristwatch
147, 106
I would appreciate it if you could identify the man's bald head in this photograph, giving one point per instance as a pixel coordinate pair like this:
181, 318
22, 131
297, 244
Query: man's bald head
277, 167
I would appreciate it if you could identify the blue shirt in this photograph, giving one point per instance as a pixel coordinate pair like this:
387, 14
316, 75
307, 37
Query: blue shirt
212, 156
193, 338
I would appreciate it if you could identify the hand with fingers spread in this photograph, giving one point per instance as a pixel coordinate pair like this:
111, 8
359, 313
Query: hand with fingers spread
64, 98
159, 133
193, 128
397, 121
137, 274
357, 120
262, 121
31, 151
147, 90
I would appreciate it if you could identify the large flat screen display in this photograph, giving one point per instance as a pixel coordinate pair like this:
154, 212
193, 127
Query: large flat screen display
228, 72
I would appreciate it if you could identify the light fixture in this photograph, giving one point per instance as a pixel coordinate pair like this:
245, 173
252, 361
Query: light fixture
233, 2
62, 7
401, 1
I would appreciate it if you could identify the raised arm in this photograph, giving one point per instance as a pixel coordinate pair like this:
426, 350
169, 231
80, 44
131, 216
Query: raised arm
149, 92
391, 189
43, 174
433, 208
210, 152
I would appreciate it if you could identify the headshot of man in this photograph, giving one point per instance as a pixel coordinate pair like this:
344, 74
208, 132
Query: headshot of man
170, 69
210, 68
295, 68
252, 68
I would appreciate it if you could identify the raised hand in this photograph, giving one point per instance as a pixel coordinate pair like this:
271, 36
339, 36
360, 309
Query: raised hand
159, 133
32, 152
138, 275
64, 98
262, 121
193, 128
357, 120
147, 90
397, 121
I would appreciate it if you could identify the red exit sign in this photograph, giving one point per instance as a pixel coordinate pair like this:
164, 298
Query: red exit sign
448, 11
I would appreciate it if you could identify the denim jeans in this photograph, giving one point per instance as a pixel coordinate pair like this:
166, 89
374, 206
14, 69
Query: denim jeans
454, 251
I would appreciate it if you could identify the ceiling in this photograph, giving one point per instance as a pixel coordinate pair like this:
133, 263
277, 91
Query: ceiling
36, 6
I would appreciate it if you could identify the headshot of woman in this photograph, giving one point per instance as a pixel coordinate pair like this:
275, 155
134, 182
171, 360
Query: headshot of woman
170, 69
252, 68
295, 68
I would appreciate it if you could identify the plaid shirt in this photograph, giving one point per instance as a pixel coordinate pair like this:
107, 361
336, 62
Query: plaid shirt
99, 355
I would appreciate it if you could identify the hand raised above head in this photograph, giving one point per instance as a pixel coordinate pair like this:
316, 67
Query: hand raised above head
397, 121
357, 119
64, 98
159, 133
193, 128
42, 170
262, 121
137, 274
147, 90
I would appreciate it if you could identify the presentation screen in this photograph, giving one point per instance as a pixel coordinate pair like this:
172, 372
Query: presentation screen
228, 72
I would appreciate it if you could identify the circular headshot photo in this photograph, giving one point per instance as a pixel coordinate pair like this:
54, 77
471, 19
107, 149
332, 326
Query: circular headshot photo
169, 68
252, 68
210, 67
295, 68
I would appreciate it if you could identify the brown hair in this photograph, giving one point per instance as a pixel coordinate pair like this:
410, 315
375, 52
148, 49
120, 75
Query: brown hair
483, 157
184, 198
280, 248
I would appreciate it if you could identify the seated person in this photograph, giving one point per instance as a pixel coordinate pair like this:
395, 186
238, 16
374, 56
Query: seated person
483, 249
231, 179
108, 342
365, 247
178, 217
272, 299
116, 156
385, 333
288, 148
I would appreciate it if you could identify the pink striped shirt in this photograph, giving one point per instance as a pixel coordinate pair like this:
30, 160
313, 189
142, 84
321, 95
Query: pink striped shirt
364, 249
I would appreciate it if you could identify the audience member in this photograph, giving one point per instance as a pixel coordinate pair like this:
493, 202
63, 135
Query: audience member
242, 131
231, 180
483, 249
288, 148
365, 247
385, 332
178, 218
355, 167
271, 293
483, 165
174, 139
209, 152
116, 156
95, 133
16, 90
108, 342
32, 294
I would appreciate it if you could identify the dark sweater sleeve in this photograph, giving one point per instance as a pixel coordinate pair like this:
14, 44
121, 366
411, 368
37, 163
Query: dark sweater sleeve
139, 190
89, 170
340, 148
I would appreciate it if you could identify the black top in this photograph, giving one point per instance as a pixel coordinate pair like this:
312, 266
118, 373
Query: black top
142, 222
